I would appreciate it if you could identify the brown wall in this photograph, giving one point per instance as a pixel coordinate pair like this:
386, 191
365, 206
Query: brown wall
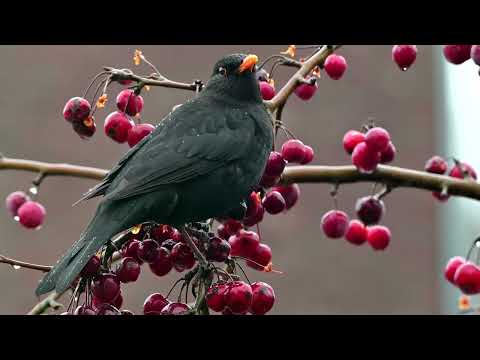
320, 276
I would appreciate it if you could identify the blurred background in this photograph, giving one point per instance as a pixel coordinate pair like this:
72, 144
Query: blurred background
428, 109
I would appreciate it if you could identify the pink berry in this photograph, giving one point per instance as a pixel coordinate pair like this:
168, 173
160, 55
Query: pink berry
129, 103
215, 297
31, 214
462, 171
475, 54
290, 194
306, 91
129, 270
293, 151
15, 200
238, 297
76, 109
274, 203
175, 309
154, 304
162, 264
263, 298
388, 155
218, 249
92, 267
351, 139
365, 159
261, 257
377, 139
117, 126
467, 278
267, 90
275, 164
370, 210
308, 155
138, 132
436, 165
334, 224
378, 237
182, 257
106, 287
335, 66
452, 266
356, 233
457, 54
404, 55
148, 250
244, 243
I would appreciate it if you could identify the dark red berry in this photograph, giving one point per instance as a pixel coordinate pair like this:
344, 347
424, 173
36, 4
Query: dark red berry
148, 250
85, 128
162, 264
335, 66
436, 165
365, 159
177, 236
256, 217
457, 54
334, 224
76, 109
309, 154
467, 278
293, 151
129, 103
106, 287
269, 181
260, 257
274, 203
84, 310
231, 227
238, 297
175, 309
218, 249
475, 54
117, 126
378, 237
131, 250
108, 309
263, 298
15, 200
162, 232
463, 171
356, 233
168, 244
266, 90
370, 210
244, 243
215, 297
351, 139
92, 267
222, 232
377, 139
182, 257
275, 164
290, 194
305, 91
404, 55
31, 214
388, 155
451, 268
118, 301
154, 304
138, 132
129, 270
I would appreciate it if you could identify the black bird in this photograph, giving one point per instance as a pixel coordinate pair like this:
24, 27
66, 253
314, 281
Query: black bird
201, 161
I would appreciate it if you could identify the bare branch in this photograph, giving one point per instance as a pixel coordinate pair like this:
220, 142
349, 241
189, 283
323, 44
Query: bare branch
23, 264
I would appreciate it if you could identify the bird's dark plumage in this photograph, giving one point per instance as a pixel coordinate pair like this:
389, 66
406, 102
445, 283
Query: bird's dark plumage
200, 162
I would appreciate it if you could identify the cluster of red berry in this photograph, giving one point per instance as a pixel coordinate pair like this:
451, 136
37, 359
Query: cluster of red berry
26, 211
463, 274
458, 54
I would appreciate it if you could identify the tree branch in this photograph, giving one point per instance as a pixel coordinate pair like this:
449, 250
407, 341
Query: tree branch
23, 264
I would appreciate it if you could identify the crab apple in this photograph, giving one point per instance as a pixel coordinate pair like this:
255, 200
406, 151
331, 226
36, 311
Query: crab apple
305, 91
129, 103
309, 154
457, 54
106, 287
175, 309
260, 257
452, 266
335, 66
370, 210
255, 218
293, 151
377, 139
118, 301
117, 126
182, 257
436, 165
356, 233
92, 267
162, 232
84, 310
351, 139
162, 264
267, 90
168, 244
290, 194
85, 128
475, 54
154, 304
438, 195
378, 237
244, 243
274, 203
275, 164
107, 309
229, 228
463, 170
388, 155
334, 224
131, 250
129, 270
269, 181
148, 250
215, 296
76, 109
238, 297
218, 249
404, 55
31, 214
467, 278
263, 298
138, 132
365, 159
15, 200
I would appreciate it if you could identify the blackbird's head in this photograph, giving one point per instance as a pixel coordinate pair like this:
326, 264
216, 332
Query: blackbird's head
234, 76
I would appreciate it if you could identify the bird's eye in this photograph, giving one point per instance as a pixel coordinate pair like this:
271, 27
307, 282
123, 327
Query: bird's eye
222, 71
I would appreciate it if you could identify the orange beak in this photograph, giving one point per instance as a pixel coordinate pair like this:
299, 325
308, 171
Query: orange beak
248, 63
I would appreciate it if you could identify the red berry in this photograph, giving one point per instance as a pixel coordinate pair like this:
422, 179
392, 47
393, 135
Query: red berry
129, 103
306, 91
462, 171
388, 155
238, 297
404, 55
290, 194
76, 109
475, 54
378, 237
377, 139
182, 257
262, 255
154, 304
108, 309
267, 90
84, 310
309, 154
365, 159
162, 264
269, 181
131, 250
256, 218
92, 267
334, 224
263, 298
440, 197
215, 297
163, 232
244, 243
117, 126
351, 139
467, 278
31, 214
274, 203
457, 54
106, 287
218, 249
148, 250
370, 210
15, 200
231, 227
356, 233
436, 165
85, 128
129, 270
118, 302
293, 151
275, 164
451, 268
138, 132
175, 309
335, 66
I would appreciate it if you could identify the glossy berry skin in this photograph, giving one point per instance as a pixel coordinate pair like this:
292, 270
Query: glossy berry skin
436, 165
85, 128
309, 154
175, 309
475, 54
459, 170
451, 268
293, 151
306, 91
256, 218
162, 264
138, 132
351, 139
290, 193
266, 90
162, 232
404, 56
31, 214
275, 164
365, 159
457, 54
231, 227
215, 297
370, 210
334, 224
131, 250
106, 287
263, 298
15, 200
76, 109
148, 250
262, 256
274, 203
84, 310
238, 297
388, 155
218, 249
117, 126
244, 243
107, 309
467, 278
154, 304
92, 267
182, 257
129, 270
129, 103
335, 66
356, 233
378, 237
377, 139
